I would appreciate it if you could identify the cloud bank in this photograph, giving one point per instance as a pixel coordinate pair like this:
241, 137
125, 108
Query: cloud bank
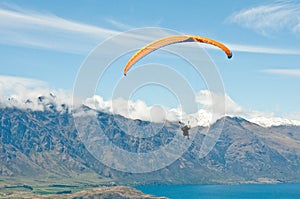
26, 93
34, 94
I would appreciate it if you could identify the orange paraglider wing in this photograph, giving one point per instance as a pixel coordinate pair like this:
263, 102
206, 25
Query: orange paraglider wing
172, 40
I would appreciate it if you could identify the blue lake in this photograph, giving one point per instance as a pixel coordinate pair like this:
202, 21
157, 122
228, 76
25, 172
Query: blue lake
245, 191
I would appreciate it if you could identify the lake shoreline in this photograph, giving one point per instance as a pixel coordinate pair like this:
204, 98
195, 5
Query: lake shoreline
246, 191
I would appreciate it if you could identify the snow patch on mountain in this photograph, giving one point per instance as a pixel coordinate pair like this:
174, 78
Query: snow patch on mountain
274, 121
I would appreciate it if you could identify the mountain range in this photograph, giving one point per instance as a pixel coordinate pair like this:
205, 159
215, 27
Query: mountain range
45, 145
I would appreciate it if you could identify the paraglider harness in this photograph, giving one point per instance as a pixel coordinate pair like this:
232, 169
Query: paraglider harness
185, 129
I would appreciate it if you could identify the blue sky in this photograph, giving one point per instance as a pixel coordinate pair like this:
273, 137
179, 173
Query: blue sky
49, 40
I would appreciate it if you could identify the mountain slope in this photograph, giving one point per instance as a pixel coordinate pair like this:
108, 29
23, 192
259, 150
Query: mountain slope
45, 144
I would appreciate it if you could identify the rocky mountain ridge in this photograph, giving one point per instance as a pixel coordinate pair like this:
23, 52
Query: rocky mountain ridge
45, 145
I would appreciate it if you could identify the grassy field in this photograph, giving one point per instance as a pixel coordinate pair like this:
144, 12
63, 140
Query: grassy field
22, 186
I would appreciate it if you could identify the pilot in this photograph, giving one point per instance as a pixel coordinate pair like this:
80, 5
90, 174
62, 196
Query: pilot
185, 129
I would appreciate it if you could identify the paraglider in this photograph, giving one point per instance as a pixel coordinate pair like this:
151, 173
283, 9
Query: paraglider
172, 40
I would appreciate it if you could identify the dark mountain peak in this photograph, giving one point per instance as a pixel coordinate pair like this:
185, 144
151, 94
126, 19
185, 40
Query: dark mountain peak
84, 108
11, 99
41, 98
28, 101
52, 95
234, 121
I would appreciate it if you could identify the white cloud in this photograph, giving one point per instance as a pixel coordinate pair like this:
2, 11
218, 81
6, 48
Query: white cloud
24, 93
274, 121
294, 115
211, 110
22, 27
263, 49
203, 117
29, 28
246, 48
17, 92
33, 20
119, 25
10, 85
140, 110
130, 109
287, 72
210, 100
265, 119
266, 19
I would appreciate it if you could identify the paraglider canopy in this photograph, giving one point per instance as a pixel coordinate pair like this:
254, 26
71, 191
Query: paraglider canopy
172, 40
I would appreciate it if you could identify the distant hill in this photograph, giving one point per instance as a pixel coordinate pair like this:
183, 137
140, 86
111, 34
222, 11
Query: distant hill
45, 146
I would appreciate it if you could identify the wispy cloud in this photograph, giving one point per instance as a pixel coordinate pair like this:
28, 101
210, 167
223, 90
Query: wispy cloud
29, 28
287, 72
260, 49
119, 25
33, 20
263, 49
266, 19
